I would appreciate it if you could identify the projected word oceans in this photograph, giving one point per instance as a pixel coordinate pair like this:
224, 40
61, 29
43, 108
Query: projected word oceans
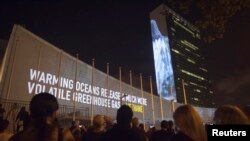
67, 89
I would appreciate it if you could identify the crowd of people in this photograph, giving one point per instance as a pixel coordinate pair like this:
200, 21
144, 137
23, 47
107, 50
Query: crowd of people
41, 124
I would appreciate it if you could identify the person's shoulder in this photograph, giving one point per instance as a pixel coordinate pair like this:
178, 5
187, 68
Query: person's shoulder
27, 134
15, 137
66, 134
181, 136
128, 135
6, 135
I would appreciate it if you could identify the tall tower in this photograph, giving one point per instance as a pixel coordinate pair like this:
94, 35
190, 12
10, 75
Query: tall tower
181, 71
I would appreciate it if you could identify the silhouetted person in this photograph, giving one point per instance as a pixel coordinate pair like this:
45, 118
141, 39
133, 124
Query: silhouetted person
150, 132
109, 122
2, 111
136, 128
22, 119
229, 114
189, 124
43, 107
97, 131
4, 134
122, 131
76, 130
141, 125
163, 134
170, 127
246, 110
11, 116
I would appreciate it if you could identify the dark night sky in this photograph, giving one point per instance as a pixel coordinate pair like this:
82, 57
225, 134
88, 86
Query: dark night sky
119, 33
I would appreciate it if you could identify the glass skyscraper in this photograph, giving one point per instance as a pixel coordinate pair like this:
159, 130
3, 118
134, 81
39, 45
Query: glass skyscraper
180, 65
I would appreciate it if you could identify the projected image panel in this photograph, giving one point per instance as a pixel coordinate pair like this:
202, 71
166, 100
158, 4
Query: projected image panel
163, 65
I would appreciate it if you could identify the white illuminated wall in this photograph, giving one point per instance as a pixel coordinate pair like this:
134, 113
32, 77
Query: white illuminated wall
33, 65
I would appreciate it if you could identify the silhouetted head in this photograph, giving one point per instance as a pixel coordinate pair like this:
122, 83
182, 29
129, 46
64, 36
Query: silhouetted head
141, 125
3, 125
170, 123
246, 110
73, 123
108, 120
188, 120
43, 105
229, 114
14, 106
164, 124
135, 122
99, 122
23, 109
124, 115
